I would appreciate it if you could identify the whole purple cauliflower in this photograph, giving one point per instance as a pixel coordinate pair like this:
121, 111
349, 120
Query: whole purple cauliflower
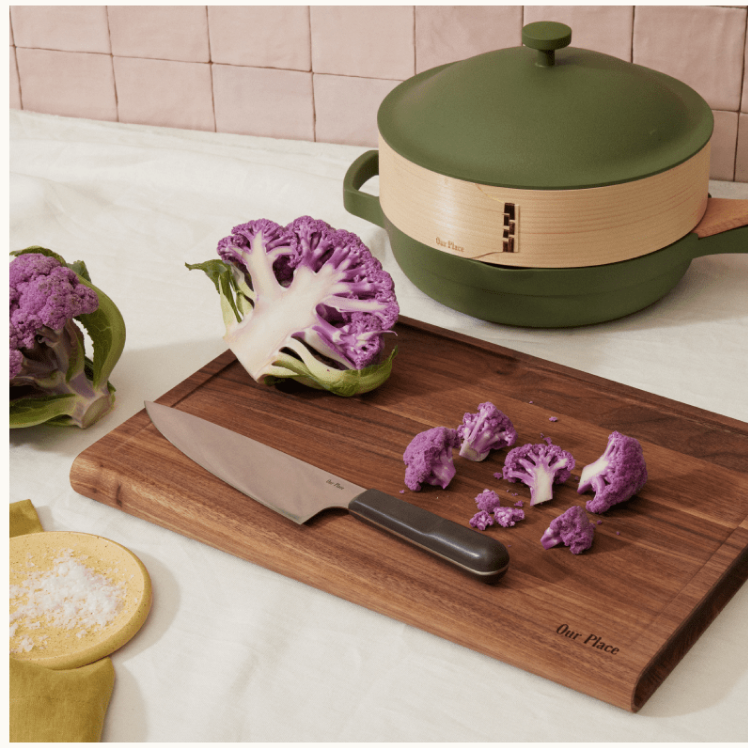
43, 294
305, 301
52, 381
538, 466
618, 474
428, 458
483, 431
573, 528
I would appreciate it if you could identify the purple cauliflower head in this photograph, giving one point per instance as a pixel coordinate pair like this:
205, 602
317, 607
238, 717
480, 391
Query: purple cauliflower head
483, 431
305, 301
428, 458
52, 380
43, 294
573, 528
538, 466
618, 474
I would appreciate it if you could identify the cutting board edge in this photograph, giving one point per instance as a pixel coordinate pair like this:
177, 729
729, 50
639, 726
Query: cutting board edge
691, 628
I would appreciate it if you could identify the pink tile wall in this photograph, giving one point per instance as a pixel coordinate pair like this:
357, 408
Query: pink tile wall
321, 72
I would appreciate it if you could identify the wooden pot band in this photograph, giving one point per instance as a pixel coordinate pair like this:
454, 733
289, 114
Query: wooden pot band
543, 228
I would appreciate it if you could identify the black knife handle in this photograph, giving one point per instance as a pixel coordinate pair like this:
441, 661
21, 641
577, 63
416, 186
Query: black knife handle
479, 555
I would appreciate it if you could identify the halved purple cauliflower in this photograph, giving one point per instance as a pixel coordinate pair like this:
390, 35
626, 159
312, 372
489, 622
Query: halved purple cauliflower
305, 301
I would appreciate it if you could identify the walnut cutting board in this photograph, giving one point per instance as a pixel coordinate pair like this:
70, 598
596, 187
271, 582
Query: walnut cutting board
611, 623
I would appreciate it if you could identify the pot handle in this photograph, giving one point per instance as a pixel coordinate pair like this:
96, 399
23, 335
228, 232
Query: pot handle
363, 204
723, 228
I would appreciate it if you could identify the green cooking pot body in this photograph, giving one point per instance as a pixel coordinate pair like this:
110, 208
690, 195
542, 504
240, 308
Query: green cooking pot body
534, 297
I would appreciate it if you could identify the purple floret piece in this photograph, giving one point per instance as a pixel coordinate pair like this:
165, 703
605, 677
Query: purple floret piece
484, 431
482, 520
428, 458
618, 474
490, 512
538, 466
487, 501
572, 528
508, 516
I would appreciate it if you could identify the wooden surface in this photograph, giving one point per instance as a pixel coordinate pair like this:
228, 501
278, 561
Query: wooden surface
555, 228
722, 214
661, 568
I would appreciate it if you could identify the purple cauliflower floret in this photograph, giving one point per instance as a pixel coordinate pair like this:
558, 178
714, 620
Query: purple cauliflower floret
428, 458
489, 512
481, 520
538, 466
305, 301
483, 431
487, 500
572, 528
618, 474
508, 516
44, 296
51, 379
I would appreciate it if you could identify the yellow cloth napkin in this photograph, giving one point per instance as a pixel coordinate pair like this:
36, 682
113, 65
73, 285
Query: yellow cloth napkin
23, 519
55, 706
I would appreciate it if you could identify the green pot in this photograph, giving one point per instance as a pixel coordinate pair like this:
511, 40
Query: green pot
534, 297
540, 117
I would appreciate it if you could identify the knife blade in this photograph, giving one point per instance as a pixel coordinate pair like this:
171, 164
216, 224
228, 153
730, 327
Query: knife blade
298, 491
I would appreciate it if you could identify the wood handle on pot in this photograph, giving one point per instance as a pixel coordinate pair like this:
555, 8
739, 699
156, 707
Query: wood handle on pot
722, 214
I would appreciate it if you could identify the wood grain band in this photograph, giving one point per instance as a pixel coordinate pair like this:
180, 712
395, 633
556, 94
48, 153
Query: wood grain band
543, 228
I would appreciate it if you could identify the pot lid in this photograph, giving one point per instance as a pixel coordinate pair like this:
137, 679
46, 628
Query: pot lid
545, 116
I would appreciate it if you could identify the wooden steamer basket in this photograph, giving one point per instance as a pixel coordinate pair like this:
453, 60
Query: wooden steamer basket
545, 185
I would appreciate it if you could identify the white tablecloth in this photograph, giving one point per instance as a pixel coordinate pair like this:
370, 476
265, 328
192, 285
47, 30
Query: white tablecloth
232, 651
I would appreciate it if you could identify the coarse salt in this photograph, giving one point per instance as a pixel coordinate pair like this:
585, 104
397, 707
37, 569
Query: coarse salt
70, 596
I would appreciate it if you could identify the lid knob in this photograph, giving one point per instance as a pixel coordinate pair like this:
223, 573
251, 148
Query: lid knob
546, 37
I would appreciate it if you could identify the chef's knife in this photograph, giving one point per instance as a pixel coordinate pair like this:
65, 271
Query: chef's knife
298, 491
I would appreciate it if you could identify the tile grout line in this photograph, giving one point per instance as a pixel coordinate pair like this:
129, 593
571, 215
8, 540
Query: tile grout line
740, 103
18, 74
311, 74
111, 60
415, 44
15, 57
212, 79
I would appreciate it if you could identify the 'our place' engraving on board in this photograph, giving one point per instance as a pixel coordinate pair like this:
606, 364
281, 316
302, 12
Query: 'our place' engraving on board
596, 641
